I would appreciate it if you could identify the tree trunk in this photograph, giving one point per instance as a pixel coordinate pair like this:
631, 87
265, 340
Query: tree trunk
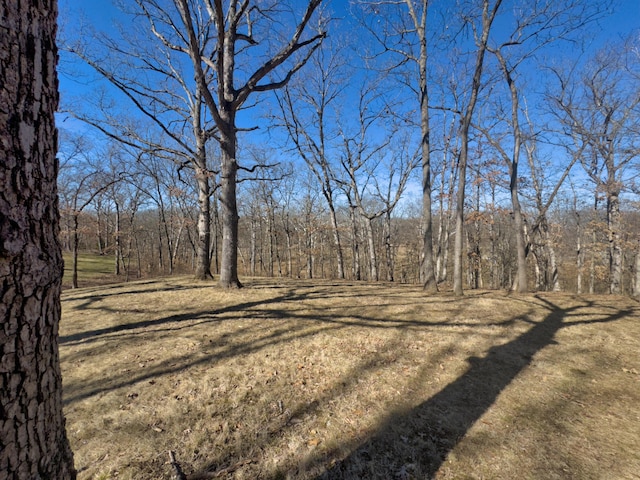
118, 246
553, 279
74, 251
373, 260
99, 230
521, 275
355, 246
213, 255
159, 225
388, 248
592, 259
228, 202
203, 261
428, 267
310, 256
272, 241
253, 245
579, 262
615, 250
518, 221
458, 240
636, 276
33, 442
336, 239
487, 21
287, 232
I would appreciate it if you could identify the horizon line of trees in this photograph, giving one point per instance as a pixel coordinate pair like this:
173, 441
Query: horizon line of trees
286, 230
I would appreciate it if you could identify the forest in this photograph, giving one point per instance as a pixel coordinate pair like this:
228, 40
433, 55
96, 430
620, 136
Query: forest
431, 204
464, 145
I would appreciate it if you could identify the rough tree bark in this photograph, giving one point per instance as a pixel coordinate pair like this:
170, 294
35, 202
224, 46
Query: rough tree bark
33, 442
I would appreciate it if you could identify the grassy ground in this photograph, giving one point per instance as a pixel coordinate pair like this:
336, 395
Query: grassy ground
92, 270
325, 381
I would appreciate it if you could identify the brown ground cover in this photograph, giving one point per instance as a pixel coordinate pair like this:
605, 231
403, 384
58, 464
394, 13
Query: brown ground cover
322, 380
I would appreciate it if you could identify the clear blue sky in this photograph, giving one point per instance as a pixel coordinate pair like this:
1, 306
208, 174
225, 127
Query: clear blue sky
103, 15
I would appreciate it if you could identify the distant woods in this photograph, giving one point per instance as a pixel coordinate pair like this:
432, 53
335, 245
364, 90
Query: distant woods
469, 146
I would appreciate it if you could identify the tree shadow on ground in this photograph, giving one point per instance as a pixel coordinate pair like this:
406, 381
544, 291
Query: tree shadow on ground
414, 444
289, 295
305, 324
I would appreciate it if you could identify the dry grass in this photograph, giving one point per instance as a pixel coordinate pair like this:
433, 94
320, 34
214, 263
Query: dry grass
319, 380
93, 270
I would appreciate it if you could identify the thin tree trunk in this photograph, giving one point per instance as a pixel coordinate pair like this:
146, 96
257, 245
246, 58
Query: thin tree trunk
553, 277
615, 250
99, 231
388, 248
33, 442
309, 254
118, 247
579, 263
253, 245
272, 247
215, 236
636, 277
355, 246
287, 232
74, 249
487, 20
203, 262
138, 258
373, 260
521, 255
336, 240
592, 261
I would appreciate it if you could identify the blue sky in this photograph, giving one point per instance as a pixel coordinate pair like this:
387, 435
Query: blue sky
103, 16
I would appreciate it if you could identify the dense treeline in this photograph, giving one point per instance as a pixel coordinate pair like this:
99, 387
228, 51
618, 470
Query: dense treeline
287, 233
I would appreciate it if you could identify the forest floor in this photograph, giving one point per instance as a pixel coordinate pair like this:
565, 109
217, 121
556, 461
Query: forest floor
336, 380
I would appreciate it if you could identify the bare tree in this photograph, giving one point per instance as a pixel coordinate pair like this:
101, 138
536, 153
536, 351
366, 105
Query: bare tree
364, 140
401, 30
307, 110
396, 171
600, 110
82, 179
486, 16
239, 27
539, 24
145, 65
33, 442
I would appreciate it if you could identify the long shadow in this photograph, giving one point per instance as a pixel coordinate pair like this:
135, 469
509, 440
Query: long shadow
291, 295
310, 324
86, 336
415, 444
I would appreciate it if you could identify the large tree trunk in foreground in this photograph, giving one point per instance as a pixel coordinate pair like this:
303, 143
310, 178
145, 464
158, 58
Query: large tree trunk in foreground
33, 443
